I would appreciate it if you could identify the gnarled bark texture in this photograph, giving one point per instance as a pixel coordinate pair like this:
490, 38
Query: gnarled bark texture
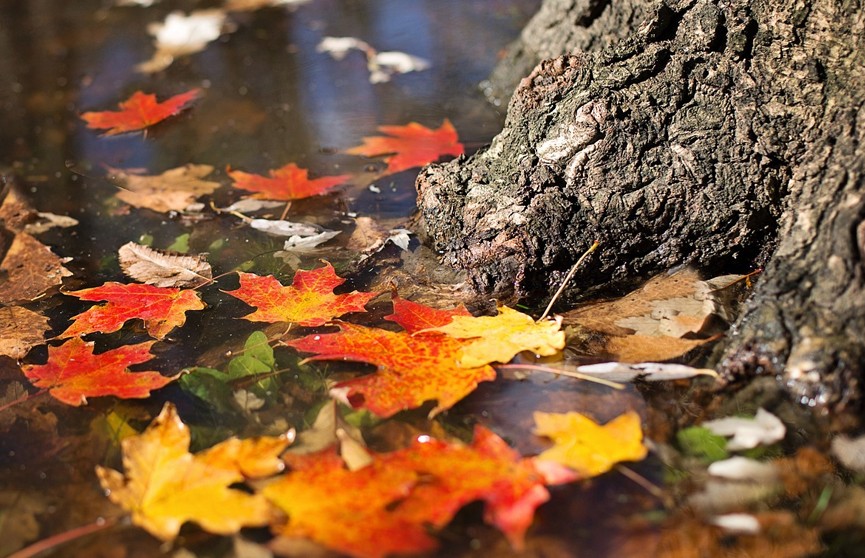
723, 134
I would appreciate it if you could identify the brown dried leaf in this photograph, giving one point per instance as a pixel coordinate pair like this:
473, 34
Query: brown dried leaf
20, 330
173, 190
162, 268
16, 212
29, 269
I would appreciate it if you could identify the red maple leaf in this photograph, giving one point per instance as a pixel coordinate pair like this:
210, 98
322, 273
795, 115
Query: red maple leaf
287, 183
161, 308
138, 112
412, 369
309, 301
414, 317
412, 145
73, 373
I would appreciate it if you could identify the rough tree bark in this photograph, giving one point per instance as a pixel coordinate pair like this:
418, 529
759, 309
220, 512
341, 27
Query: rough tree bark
723, 134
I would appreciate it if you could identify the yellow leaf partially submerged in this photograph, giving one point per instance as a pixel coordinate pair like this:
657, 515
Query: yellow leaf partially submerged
164, 485
499, 338
588, 447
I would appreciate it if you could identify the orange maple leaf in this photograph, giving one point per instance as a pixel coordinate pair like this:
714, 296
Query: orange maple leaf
309, 301
138, 112
286, 183
348, 511
412, 369
412, 145
415, 317
73, 373
165, 485
161, 308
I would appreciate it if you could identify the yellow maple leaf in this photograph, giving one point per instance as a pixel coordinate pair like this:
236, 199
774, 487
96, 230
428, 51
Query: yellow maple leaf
588, 447
499, 338
165, 485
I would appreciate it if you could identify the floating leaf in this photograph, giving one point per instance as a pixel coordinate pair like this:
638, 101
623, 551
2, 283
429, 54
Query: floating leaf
648, 371
588, 447
138, 112
499, 338
411, 369
161, 268
286, 183
73, 373
309, 301
165, 485
173, 190
181, 35
28, 270
412, 145
381, 65
414, 317
278, 227
20, 330
161, 308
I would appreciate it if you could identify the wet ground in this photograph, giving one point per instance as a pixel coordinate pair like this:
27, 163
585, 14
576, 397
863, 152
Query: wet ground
271, 96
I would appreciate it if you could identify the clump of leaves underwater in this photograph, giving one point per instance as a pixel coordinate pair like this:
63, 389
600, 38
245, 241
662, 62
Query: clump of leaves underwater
220, 336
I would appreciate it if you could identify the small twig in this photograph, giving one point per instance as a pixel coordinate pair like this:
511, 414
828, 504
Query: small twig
63, 538
285, 211
22, 399
568, 373
567, 278
642, 481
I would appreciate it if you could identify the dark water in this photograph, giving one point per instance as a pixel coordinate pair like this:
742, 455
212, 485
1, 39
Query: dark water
271, 98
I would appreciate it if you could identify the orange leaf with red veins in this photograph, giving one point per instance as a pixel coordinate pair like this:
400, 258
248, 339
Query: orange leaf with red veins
309, 301
414, 317
164, 485
73, 373
287, 183
138, 112
161, 308
412, 369
489, 470
412, 145
348, 511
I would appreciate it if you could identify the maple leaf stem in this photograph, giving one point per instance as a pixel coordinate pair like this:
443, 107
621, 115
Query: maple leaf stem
285, 211
567, 278
63, 538
568, 373
642, 481
23, 398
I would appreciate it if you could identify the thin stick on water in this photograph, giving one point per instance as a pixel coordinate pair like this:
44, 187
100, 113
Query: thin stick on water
568, 373
567, 278
62, 538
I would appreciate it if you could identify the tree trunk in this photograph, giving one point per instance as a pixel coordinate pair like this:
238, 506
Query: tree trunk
722, 134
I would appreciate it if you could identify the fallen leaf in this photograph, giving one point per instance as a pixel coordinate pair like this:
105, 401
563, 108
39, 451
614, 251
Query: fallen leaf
414, 317
47, 221
744, 469
138, 112
181, 35
381, 65
278, 227
161, 268
249, 5
411, 369
499, 338
301, 245
173, 190
368, 237
164, 485
354, 519
588, 447
286, 183
161, 308
309, 301
28, 270
20, 330
850, 452
412, 145
73, 373
647, 371
249, 205
764, 429
15, 211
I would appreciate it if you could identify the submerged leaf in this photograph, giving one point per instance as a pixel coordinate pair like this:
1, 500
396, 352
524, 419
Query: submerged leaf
164, 485
162, 268
173, 190
73, 373
20, 330
29, 269
138, 112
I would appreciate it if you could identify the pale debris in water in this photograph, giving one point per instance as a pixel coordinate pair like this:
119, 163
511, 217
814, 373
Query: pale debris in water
181, 35
744, 469
649, 371
283, 228
742, 523
381, 65
850, 452
764, 429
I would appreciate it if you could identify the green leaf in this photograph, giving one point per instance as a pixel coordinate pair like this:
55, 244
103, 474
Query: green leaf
701, 442
258, 347
210, 386
180, 244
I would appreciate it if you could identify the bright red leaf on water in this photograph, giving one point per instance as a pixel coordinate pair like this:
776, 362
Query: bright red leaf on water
412, 145
161, 308
414, 317
138, 112
73, 373
412, 369
308, 301
286, 183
